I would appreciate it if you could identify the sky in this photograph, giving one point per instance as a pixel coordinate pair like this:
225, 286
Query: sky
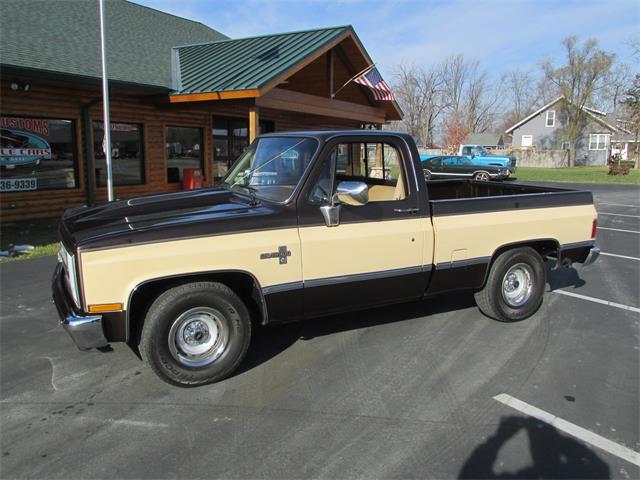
501, 34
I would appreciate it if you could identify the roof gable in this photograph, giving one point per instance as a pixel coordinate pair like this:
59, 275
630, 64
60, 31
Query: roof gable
246, 63
63, 36
594, 114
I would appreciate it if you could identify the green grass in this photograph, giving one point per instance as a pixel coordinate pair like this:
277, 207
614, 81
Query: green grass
576, 175
42, 234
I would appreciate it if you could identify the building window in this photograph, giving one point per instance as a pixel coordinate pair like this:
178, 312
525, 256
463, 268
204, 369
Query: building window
551, 118
527, 140
230, 139
37, 154
566, 146
126, 154
184, 150
599, 141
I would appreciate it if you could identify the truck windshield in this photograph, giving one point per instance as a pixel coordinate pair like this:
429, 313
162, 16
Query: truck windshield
272, 167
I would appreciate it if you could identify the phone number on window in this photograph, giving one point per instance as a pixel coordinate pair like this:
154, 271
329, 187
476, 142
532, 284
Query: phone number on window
18, 184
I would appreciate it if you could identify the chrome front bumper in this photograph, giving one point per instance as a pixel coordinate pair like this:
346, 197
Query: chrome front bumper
85, 330
594, 253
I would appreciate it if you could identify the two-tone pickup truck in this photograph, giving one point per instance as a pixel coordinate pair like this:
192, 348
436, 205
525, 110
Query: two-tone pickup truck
287, 235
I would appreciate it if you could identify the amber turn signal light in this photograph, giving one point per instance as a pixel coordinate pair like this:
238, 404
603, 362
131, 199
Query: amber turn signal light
105, 307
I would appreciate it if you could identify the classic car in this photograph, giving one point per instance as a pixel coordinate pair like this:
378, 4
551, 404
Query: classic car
458, 167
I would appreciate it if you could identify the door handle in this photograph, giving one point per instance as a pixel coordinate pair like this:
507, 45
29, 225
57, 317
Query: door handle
405, 210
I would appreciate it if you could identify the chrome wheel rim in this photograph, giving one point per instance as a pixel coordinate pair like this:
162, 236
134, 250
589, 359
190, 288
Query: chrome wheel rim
517, 285
427, 175
198, 337
482, 176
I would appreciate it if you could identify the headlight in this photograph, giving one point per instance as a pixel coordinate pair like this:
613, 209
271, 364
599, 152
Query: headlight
70, 274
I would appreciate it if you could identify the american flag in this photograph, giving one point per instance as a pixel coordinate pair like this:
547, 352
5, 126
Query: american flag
372, 79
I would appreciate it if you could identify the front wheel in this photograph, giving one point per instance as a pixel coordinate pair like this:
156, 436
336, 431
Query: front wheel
481, 176
196, 333
514, 287
427, 175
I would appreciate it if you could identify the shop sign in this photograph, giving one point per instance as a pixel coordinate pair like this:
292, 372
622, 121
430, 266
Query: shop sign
18, 184
20, 147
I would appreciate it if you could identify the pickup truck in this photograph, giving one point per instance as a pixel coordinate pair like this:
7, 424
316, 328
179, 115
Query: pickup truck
479, 156
184, 277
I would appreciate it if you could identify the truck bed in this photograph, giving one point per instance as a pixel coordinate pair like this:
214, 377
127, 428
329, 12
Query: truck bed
455, 197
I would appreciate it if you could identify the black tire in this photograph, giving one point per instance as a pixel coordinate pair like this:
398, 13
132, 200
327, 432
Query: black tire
519, 263
159, 342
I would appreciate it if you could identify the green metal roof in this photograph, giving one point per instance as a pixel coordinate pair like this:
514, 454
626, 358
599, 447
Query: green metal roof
245, 63
63, 36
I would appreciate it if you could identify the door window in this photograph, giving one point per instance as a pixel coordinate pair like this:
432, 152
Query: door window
379, 165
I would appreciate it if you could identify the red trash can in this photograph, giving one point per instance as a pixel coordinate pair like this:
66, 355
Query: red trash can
192, 178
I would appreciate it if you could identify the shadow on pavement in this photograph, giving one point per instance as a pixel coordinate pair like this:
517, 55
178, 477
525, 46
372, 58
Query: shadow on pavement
554, 455
563, 277
267, 342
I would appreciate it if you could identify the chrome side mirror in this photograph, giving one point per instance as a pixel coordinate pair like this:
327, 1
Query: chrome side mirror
352, 193
349, 193
331, 214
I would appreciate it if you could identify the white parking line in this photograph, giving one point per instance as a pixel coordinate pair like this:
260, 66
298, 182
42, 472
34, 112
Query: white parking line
617, 230
619, 256
597, 300
617, 204
618, 215
572, 429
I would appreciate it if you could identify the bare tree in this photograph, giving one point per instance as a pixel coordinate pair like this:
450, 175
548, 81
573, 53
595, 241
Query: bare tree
631, 114
611, 97
469, 95
634, 44
579, 81
420, 94
481, 101
520, 91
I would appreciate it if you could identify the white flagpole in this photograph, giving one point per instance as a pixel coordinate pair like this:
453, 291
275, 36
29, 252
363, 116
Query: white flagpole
105, 101
361, 72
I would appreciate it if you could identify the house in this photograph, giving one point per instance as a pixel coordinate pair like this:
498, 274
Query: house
184, 97
490, 141
544, 130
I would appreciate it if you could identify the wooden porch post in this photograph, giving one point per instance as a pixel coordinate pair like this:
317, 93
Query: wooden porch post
254, 123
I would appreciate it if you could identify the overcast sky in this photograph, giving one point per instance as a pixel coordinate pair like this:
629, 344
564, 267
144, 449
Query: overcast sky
501, 34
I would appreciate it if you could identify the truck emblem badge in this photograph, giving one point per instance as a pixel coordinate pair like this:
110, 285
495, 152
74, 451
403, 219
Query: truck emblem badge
281, 254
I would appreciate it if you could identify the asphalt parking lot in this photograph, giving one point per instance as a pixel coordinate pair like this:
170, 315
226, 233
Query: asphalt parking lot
401, 392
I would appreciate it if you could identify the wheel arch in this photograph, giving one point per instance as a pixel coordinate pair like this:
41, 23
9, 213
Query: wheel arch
544, 246
243, 283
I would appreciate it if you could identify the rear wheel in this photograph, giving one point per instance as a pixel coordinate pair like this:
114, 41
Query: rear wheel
482, 176
515, 286
427, 175
196, 333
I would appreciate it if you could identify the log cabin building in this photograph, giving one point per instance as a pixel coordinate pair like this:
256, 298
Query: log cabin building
183, 96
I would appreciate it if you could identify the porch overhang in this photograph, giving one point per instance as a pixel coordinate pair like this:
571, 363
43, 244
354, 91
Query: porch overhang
260, 65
